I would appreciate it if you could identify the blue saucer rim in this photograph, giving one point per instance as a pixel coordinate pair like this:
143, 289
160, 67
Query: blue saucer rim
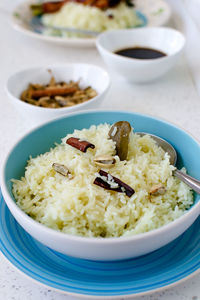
86, 296
114, 296
26, 272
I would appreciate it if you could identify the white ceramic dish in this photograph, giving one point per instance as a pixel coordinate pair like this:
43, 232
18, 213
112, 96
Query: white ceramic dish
167, 40
157, 13
89, 75
43, 138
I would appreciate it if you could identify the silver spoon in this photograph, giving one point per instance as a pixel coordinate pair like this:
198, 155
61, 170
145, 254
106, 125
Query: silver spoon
190, 181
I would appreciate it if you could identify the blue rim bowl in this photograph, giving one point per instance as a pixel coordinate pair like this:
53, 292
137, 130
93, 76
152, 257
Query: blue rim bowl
41, 139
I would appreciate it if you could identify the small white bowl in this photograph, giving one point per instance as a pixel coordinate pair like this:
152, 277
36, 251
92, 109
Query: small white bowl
89, 75
167, 40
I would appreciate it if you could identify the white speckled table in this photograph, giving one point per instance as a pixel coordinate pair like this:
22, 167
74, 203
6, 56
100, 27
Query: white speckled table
175, 97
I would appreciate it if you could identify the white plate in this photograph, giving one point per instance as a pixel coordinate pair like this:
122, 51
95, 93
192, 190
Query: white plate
157, 13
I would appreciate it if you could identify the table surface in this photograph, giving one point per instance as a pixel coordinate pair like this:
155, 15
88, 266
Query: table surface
175, 97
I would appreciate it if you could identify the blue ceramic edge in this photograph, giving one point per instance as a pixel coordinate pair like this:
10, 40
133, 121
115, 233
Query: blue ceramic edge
143, 18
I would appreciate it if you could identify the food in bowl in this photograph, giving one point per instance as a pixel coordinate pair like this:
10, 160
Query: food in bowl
104, 181
57, 94
86, 74
97, 16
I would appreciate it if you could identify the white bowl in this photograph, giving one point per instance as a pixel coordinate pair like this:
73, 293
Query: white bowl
89, 75
43, 138
164, 39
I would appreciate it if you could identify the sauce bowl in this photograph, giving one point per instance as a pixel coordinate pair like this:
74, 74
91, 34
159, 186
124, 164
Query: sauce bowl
167, 40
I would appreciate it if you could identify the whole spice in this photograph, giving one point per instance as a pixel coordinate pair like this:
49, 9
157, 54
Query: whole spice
119, 133
57, 95
61, 169
157, 189
109, 182
105, 161
36, 94
79, 144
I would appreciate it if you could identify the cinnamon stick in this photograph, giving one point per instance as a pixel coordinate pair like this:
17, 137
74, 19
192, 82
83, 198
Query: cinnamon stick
78, 144
36, 94
109, 182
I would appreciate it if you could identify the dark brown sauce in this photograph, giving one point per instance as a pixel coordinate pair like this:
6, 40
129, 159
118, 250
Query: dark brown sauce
140, 53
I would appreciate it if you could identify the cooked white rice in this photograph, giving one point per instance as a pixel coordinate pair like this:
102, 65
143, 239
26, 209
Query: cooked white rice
77, 206
75, 15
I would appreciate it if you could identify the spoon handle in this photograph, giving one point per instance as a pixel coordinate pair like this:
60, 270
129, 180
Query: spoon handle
190, 181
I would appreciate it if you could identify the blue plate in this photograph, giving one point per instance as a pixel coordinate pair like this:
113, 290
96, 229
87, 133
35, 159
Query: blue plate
143, 19
148, 273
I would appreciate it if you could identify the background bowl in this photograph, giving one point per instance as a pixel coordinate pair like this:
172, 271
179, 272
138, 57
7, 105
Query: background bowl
89, 75
164, 39
43, 138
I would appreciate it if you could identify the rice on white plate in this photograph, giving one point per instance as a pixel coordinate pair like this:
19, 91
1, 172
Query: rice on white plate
77, 206
75, 15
